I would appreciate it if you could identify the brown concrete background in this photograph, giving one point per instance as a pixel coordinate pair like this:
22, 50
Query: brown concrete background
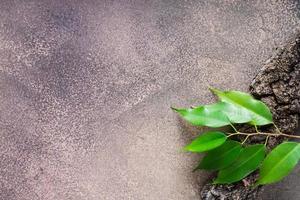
85, 90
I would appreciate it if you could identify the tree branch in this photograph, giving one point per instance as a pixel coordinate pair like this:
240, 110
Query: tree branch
263, 133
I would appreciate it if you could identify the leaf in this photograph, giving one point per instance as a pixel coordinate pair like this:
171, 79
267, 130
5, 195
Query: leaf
206, 141
245, 106
279, 163
222, 156
248, 161
235, 114
208, 115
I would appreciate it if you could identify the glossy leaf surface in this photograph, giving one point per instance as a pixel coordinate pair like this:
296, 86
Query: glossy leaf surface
209, 115
235, 114
206, 141
246, 105
248, 161
222, 156
279, 163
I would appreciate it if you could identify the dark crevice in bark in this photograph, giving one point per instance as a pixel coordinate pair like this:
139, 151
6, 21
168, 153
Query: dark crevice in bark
278, 85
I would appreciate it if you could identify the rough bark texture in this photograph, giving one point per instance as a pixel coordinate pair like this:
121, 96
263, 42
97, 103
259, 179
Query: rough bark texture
278, 85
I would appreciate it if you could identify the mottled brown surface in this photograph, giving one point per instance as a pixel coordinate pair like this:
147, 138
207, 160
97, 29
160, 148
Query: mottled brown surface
85, 90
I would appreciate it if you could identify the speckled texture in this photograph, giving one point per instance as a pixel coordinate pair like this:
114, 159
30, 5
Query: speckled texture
85, 90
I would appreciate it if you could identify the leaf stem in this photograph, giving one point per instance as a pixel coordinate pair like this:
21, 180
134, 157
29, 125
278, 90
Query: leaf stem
246, 139
267, 139
256, 129
277, 129
234, 128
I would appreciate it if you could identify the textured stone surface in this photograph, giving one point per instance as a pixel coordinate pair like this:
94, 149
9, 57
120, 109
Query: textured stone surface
85, 90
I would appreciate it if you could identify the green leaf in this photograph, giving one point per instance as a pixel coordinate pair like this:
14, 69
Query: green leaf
248, 161
245, 106
222, 156
206, 141
208, 115
279, 163
235, 114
